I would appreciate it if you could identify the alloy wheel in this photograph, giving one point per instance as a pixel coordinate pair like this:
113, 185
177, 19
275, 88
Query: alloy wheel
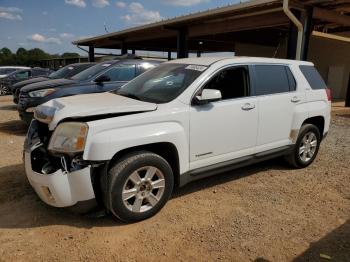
308, 147
143, 189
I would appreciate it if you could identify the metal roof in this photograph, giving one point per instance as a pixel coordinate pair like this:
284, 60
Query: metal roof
217, 12
329, 15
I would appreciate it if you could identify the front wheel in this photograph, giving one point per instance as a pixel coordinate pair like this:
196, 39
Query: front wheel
306, 147
4, 90
139, 186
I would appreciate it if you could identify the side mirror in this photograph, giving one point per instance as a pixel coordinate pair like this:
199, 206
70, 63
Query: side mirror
207, 96
102, 78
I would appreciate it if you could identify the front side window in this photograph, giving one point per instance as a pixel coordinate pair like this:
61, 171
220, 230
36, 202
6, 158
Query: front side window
121, 73
273, 79
232, 82
163, 83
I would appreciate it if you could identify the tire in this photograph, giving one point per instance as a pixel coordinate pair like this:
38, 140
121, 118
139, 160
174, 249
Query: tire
139, 185
300, 158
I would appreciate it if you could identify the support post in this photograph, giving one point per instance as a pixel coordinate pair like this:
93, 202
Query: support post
347, 99
293, 38
307, 33
182, 45
292, 42
124, 48
199, 53
169, 55
133, 51
91, 54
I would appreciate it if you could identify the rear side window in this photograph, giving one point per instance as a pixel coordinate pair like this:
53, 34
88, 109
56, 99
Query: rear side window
313, 77
273, 79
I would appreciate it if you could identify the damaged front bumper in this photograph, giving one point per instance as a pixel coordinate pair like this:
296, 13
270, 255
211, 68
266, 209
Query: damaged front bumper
58, 188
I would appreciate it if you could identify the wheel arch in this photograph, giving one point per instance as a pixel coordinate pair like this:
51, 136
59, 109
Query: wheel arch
166, 150
318, 121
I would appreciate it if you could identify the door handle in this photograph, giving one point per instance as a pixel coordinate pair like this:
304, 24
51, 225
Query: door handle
248, 106
295, 99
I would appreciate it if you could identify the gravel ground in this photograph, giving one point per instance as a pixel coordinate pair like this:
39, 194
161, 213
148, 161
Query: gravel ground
265, 212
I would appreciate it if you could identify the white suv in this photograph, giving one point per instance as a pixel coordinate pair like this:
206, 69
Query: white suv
182, 121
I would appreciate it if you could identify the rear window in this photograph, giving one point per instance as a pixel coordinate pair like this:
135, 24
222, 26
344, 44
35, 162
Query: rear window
273, 79
313, 77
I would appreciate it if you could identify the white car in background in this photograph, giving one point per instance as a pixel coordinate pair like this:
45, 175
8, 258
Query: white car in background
182, 121
6, 70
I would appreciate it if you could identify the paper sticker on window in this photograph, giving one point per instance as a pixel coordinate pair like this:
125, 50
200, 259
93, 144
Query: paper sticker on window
196, 67
105, 65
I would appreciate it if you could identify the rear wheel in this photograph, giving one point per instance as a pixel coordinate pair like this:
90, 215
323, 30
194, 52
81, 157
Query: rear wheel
139, 186
306, 147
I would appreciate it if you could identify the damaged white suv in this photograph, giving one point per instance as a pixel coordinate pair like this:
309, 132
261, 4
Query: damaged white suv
182, 121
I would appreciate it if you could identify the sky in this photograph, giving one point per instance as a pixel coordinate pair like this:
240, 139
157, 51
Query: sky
52, 25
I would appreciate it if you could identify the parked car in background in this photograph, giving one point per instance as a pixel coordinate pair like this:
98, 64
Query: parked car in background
102, 77
184, 120
64, 72
6, 70
20, 75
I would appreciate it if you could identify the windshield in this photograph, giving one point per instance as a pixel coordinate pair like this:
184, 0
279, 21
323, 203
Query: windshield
91, 71
163, 83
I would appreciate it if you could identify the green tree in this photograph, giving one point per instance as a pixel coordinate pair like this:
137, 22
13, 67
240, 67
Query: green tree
21, 56
69, 55
32, 57
6, 56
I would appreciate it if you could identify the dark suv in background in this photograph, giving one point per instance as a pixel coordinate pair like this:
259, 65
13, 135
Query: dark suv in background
20, 75
64, 72
102, 77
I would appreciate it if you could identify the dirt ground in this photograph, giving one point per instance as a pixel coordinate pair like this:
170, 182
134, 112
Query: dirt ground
265, 212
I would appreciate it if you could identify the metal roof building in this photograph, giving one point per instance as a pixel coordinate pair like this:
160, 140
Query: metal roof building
286, 26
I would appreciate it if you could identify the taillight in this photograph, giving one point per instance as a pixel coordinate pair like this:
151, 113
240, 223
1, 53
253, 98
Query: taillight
329, 94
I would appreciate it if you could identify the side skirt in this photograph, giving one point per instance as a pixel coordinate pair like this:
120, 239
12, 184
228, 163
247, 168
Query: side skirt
222, 167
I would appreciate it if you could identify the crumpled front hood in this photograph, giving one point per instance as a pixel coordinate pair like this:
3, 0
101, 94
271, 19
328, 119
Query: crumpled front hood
91, 105
48, 84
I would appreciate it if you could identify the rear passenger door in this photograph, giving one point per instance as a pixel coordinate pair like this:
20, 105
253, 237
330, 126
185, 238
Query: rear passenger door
276, 90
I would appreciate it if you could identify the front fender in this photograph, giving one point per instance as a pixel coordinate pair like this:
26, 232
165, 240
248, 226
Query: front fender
105, 144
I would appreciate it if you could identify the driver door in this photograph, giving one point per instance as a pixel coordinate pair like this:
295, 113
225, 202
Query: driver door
225, 129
